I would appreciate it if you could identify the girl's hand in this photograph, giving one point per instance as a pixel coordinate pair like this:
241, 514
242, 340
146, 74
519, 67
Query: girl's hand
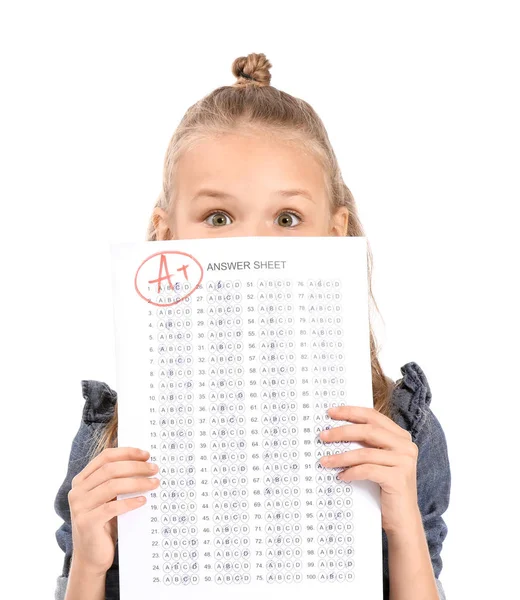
94, 507
392, 463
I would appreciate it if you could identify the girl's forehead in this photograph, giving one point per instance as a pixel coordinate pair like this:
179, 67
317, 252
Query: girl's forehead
235, 162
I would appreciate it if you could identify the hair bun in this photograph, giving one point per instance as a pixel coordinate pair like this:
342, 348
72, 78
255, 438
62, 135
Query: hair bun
252, 69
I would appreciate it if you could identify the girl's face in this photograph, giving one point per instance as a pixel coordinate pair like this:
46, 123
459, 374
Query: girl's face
244, 185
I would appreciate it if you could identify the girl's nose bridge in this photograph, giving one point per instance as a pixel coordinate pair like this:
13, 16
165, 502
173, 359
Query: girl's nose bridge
256, 225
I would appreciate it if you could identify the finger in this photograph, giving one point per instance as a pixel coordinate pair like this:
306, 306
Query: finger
370, 434
117, 469
109, 490
359, 457
110, 455
105, 512
364, 414
377, 473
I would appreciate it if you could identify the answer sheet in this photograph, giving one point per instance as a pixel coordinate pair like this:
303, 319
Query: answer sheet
228, 353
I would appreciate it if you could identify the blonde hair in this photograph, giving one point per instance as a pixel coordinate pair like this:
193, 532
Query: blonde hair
253, 105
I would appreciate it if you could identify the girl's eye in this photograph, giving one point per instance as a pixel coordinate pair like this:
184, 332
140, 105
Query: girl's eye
216, 221
287, 218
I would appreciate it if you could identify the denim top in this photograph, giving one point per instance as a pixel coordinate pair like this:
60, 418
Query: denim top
410, 409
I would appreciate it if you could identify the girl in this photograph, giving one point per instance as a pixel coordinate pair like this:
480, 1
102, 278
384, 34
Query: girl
249, 159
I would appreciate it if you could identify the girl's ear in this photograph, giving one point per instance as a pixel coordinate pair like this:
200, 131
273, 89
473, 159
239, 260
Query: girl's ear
339, 222
160, 222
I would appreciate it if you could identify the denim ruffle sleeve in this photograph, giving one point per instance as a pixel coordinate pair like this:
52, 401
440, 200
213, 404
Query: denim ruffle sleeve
411, 405
100, 401
98, 408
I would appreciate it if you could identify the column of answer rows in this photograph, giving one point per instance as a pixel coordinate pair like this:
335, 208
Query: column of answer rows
334, 501
177, 547
230, 503
281, 434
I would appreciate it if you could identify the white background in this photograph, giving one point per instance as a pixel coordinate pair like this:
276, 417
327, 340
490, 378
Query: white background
420, 101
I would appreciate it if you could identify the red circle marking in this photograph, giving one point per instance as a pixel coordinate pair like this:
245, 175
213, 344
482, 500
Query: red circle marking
168, 252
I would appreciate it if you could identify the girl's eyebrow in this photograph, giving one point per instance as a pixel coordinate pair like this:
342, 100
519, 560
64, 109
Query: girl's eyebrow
224, 196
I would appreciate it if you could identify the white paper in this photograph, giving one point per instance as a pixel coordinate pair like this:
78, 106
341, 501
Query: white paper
225, 376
